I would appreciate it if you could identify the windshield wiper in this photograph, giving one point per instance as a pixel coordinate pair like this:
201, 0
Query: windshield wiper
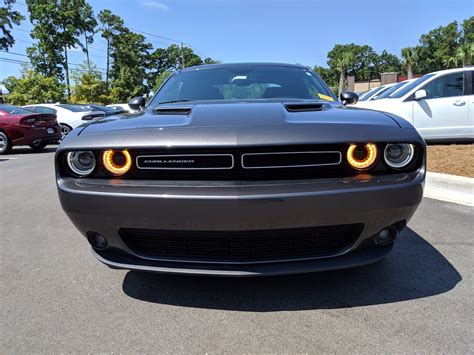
173, 101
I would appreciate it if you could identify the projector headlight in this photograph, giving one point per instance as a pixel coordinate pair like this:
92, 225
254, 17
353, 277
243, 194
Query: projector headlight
81, 162
399, 155
116, 162
362, 156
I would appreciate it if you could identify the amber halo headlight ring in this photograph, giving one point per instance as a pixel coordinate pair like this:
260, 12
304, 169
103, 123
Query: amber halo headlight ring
362, 156
399, 155
81, 162
116, 162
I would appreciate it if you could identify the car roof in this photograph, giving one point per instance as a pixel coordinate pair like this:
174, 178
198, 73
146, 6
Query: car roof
47, 105
228, 65
452, 70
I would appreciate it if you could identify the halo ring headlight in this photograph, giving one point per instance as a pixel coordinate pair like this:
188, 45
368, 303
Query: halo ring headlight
399, 155
116, 162
362, 156
81, 162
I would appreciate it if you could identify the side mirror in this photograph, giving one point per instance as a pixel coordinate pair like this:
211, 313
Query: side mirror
349, 98
420, 95
137, 103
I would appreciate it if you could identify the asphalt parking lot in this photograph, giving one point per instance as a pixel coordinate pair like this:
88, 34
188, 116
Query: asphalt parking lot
55, 297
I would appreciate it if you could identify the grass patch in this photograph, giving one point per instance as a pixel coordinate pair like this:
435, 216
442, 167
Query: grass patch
455, 159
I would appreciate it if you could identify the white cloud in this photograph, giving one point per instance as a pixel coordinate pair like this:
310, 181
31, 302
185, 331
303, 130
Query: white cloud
156, 5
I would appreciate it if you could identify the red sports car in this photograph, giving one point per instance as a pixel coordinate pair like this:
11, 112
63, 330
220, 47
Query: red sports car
22, 127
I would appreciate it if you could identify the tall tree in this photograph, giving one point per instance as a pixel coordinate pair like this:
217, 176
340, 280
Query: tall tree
209, 60
130, 61
111, 26
437, 47
409, 57
58, 24
388, 62
465, 52
171, 59
342, 59
329, 76
90, 24
181, 57
8, 18
32, 87
89, 86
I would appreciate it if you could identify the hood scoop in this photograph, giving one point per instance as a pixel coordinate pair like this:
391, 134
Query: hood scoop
185, 111
304, 107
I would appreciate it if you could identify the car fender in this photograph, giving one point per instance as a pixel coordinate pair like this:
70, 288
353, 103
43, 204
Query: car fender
72, 119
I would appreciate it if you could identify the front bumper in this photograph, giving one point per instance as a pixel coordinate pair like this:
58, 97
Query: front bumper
105, 206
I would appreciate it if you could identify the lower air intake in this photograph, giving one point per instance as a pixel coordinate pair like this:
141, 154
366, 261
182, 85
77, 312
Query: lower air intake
242, 246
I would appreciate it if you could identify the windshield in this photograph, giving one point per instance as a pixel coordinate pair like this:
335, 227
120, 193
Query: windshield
243, 82
73, 108
370, 93
390, 91
14, 110
407, 88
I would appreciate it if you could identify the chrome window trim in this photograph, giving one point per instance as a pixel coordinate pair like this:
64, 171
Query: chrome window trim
292, 166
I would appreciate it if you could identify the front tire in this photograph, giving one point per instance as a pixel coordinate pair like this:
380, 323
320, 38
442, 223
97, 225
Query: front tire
38, 146
5, 144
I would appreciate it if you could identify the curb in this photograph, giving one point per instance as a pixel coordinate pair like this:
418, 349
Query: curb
450, 188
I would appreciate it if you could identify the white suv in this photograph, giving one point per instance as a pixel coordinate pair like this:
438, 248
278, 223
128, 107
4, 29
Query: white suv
440, 105
68, 116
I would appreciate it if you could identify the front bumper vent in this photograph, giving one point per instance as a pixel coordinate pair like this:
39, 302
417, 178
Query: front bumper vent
241, 246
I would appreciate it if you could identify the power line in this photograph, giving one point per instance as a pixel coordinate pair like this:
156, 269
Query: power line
148, 34
16, 61
157, 36
89, 47
24, 55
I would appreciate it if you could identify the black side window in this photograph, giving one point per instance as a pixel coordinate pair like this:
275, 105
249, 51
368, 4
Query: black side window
446, 86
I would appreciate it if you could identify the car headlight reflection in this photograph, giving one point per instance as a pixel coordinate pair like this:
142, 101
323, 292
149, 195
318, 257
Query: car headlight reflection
362, 156
399, 155
81, 162
116, 162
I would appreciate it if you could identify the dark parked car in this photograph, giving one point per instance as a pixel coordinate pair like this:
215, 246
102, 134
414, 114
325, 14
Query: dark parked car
22, 127
242, 170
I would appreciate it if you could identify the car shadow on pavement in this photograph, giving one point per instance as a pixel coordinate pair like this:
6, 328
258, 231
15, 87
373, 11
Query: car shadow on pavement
414, 269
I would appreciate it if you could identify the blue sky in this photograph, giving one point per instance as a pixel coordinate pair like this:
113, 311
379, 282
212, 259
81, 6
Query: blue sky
299, 31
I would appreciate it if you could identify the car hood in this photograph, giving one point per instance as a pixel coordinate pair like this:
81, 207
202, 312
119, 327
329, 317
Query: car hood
239, 114
239, 123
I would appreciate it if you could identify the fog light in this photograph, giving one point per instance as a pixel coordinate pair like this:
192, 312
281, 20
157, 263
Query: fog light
97, 241
116, 162
362, 156
386, 236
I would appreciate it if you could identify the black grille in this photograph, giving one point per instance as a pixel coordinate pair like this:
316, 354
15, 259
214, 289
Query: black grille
242, 246
283, 162
290, 159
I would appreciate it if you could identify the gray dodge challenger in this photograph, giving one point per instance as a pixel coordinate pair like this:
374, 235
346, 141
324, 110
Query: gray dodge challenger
242, 170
